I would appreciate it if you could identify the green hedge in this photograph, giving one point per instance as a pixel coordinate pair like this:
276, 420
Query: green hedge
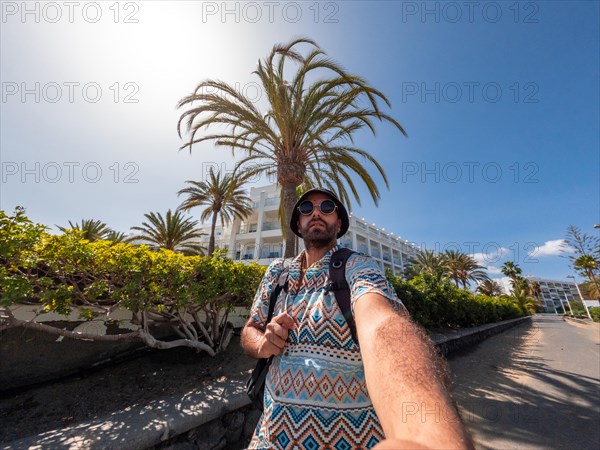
59, 272
438, 303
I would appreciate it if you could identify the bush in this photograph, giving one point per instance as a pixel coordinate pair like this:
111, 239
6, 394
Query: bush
436, 302
595, 313
64, 271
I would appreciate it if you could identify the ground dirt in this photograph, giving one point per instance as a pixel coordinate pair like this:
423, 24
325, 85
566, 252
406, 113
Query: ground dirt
98, 393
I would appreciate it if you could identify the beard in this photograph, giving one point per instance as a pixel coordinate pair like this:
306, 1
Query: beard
319, 237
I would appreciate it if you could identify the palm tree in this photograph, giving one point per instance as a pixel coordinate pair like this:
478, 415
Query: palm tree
427, 261
462, 268
305, 136
92, 230
512, 271
534, 289
222, 196
521, 293
490, 288
584, 253
117, 237
587, 264
173, 232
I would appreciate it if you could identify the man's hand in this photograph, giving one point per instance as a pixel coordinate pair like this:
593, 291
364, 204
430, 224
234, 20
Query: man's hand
264, 345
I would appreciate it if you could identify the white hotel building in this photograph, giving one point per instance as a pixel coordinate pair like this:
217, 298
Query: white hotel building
259, 237
554, 294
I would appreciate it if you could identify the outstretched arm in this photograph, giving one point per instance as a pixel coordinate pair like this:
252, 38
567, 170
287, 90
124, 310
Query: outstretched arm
405, 380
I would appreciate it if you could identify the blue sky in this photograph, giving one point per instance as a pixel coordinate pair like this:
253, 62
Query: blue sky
499, 99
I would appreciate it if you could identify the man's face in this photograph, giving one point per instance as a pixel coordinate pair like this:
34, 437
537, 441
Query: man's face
317, 229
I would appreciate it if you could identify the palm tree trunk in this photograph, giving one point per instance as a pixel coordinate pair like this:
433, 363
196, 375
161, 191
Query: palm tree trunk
289, 200
211, 242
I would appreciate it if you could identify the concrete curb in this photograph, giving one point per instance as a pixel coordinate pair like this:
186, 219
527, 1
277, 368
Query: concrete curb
456, 340
141, 427
578, 320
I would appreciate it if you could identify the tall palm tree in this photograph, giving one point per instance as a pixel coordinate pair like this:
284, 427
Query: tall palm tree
92, 230
174, 232
462, 268
305, 136
427, 261
584, 253
223, 197
588, 264
512, 271
490, 288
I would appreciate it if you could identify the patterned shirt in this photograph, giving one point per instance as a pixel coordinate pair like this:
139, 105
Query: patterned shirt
315, 393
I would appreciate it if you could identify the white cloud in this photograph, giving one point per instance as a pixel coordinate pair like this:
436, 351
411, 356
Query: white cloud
504, 283
494, 270
551, 248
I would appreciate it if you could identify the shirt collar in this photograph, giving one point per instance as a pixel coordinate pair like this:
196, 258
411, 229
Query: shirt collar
324, 261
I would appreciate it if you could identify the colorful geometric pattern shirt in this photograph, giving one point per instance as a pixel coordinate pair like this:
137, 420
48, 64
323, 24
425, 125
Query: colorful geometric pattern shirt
315, 392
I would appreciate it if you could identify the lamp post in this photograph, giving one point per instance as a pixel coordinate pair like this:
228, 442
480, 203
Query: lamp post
581, 296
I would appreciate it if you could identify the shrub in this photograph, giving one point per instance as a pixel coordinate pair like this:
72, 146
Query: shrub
64, 271
436, 302
595, 313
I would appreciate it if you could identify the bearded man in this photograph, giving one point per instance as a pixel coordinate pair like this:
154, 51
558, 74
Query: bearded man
323, 389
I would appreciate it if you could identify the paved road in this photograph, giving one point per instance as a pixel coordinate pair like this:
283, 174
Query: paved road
535, 386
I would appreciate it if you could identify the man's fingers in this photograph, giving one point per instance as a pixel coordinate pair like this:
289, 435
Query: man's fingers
271, 349
276, 340
278, 330
285, 320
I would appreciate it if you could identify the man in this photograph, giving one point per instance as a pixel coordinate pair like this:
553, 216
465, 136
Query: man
324, 390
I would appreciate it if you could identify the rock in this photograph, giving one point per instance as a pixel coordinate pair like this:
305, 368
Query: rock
180, 446
252, 418
234, 422
210, 436
220, 445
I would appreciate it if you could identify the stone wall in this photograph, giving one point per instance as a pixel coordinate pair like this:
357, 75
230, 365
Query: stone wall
231, 431
29, 357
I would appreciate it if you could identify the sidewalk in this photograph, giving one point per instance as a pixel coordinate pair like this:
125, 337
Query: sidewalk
164, 418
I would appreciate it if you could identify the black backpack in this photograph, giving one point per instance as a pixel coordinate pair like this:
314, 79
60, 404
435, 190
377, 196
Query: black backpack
255, 386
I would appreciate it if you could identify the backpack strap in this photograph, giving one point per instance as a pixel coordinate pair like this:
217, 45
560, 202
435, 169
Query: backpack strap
339, 285
282, 284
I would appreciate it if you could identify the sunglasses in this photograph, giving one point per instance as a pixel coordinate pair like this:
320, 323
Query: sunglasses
326, 207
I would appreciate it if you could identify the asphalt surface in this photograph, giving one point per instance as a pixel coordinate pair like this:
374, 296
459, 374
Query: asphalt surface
536, 386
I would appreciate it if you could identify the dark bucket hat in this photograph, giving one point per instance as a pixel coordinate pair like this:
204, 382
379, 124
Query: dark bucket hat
341, 210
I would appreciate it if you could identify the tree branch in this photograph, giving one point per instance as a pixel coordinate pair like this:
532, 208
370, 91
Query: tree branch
8, 320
